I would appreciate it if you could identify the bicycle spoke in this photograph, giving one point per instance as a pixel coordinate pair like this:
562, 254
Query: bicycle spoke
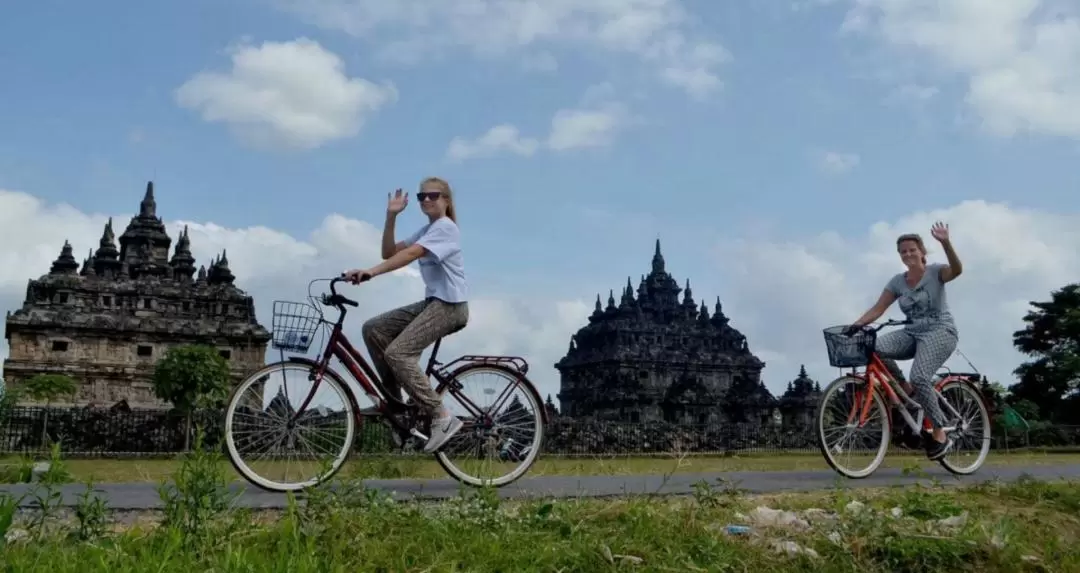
276, 444
502, 428
971, 438
852, 437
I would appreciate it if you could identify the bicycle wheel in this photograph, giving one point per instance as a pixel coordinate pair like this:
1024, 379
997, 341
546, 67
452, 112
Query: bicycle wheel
840, 433
498, 446
258, 418
972, 427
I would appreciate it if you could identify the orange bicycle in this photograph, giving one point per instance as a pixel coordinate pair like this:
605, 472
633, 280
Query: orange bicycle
860, 415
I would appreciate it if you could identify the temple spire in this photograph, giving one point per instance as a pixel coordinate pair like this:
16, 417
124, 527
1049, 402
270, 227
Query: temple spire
87, 265
688, 297
65, 264
144, 244
148, 207
183, 263
657, 259
627, 295
219, 270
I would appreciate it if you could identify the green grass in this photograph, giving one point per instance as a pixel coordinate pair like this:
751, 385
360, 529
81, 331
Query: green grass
153, 470
1023, 526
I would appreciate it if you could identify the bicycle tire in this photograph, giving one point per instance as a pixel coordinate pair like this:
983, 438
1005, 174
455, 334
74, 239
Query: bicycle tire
984, 412
879, 403
329, 377
532, 395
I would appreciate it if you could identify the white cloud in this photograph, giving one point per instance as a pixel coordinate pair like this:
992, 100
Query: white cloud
577, 128
837, 162
273, 265
285, 94
661, 33
1020, 59
783, 293
501, 138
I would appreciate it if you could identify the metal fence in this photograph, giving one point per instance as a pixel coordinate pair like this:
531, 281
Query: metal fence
117, 433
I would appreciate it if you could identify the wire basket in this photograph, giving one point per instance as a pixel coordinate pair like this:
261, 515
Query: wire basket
849, 351
294, 325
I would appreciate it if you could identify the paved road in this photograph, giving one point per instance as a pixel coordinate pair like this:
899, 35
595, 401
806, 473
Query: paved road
138, 496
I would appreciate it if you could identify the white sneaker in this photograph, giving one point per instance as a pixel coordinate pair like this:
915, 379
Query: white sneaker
442, 429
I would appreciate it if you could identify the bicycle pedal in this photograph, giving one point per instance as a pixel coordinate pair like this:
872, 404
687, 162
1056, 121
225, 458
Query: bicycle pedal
418, 434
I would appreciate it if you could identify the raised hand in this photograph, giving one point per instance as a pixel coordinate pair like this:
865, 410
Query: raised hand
940, 231
397, 202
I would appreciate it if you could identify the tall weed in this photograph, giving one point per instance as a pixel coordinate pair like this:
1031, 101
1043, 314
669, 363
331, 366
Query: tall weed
199, 493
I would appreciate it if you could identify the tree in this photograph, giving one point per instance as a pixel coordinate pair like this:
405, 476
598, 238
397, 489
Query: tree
47, 388
191, 377
1052, 338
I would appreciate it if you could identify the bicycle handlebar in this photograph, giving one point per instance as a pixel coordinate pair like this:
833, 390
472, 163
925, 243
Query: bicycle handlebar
335, 299
887, 323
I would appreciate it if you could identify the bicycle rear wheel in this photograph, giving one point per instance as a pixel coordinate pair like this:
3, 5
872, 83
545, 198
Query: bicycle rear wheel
500, 444
279, 454
972, 435
854, 449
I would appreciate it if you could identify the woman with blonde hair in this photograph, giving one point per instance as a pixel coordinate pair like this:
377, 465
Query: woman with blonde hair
395, 339
931, 337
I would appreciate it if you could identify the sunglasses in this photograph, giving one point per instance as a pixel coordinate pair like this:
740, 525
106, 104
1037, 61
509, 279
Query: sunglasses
433, 196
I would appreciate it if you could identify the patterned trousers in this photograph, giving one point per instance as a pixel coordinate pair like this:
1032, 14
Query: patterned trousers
930, 350
395, 339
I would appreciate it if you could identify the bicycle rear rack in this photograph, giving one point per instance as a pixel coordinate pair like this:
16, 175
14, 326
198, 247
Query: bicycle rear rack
515, 363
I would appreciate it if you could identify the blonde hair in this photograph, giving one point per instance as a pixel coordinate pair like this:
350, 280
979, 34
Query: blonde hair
914, 237
446, 191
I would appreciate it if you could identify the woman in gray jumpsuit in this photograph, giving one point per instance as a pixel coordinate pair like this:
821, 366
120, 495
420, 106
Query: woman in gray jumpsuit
931, 337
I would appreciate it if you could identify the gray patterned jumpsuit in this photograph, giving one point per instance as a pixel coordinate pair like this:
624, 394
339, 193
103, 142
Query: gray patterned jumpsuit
930, 339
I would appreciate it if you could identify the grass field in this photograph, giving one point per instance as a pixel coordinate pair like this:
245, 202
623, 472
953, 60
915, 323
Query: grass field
153, 470
1018, 527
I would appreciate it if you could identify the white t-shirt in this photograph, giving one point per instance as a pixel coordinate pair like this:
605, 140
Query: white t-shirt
442, 266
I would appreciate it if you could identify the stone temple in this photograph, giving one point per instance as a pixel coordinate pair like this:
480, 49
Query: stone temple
654, 357
107, 322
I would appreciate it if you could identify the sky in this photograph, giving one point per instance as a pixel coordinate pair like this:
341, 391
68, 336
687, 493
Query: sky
775, 148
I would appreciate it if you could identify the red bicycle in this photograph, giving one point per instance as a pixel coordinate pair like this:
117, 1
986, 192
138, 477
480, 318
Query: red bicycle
323, 416
860, 418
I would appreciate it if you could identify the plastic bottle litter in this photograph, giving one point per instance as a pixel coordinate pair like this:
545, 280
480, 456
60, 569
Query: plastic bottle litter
737, 530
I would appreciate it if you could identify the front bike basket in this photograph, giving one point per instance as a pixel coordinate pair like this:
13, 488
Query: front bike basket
849, 351
294, 325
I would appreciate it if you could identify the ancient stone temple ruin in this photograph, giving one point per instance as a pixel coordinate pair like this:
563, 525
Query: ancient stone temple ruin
653, 357
800, 401
107, 322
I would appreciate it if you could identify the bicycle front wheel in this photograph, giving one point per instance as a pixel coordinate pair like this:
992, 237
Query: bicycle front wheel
272, 447
853, 434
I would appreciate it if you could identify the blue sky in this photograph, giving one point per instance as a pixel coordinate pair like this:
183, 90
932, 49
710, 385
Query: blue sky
826, 118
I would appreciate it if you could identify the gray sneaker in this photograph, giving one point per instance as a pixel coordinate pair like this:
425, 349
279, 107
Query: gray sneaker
442, 429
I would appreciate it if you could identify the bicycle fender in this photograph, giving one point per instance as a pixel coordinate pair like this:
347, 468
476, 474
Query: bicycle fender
529, 387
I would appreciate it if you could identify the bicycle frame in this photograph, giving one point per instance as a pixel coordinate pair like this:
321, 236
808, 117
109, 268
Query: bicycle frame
339, 346
878, 378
